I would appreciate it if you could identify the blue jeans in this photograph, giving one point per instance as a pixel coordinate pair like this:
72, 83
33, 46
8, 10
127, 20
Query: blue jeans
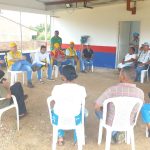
99, 115
61, 64
49, 71
23, 65
138, 72
71, 61
82, 66
87, 63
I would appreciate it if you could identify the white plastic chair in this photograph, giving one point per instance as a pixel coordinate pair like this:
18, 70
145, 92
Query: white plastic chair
66, 123
13, 105
121, 122
144, 73
14, 76
55, 71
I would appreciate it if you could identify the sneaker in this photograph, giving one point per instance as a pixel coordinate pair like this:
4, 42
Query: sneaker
25, 96
50, 79
41, 81
148, 132
35, 68
29, 84
83, 71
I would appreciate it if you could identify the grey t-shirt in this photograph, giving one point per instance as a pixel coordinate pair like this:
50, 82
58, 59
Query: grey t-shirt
3, 93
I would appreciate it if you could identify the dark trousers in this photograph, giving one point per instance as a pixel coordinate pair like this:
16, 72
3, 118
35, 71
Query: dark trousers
18, 92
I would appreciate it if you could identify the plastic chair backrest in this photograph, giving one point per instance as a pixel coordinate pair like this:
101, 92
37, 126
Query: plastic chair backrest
66, 122
123, 107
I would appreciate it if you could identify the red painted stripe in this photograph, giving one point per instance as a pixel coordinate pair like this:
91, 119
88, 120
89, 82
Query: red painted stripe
106, 49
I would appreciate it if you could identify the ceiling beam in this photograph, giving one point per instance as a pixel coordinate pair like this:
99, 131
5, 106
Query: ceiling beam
66, 1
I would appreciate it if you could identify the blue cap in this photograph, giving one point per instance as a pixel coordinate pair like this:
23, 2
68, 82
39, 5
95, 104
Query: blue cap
135, 34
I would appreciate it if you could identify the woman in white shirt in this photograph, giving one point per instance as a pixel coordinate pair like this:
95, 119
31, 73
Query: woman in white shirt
67, 98
129, 59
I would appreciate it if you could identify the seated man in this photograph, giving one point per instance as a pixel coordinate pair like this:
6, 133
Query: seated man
17, 62
129, 59
124, 88
42, 58
71, 102
58, 57
143, 61
6, 91
71, 54
87, 56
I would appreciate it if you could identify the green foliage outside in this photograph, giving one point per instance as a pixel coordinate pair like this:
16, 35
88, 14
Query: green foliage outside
40, 29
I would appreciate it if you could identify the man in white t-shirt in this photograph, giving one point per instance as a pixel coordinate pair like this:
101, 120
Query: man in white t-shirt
129, 59
42, 59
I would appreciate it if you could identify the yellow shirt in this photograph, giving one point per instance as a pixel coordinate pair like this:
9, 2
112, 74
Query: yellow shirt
12, 55
70, 52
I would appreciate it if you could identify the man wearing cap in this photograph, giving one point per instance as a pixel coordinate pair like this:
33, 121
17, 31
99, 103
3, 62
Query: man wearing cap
135, 41
143, 61
55, 39
71, 54
58, 57
17, 62
6, 91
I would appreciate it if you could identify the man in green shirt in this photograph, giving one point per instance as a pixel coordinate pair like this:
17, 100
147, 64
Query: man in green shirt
55, 39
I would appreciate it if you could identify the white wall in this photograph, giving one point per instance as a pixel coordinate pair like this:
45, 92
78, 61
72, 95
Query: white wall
24, 5
101, 23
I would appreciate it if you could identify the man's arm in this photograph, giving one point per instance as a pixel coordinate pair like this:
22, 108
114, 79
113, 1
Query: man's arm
10, 58
99, 102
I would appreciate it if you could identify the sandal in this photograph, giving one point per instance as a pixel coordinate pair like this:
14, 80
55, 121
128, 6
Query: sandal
60, 142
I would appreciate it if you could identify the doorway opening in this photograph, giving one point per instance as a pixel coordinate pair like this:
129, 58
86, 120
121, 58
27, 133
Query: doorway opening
125, 37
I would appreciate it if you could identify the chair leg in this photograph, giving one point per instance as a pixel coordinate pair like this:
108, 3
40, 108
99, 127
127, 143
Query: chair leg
79, 137
55, 136
132, 139
12, 78
146, 131
92, 68
23, 77
147, 76
100, 133
128, 137
142, 76
83, 136
108, 139
17, 113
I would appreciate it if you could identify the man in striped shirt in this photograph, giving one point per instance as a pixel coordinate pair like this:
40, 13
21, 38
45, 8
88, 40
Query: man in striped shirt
126, 87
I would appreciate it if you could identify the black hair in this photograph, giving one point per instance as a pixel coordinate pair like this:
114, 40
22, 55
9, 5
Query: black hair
133, 49
129, 72
1, 74
43, 46
69, 72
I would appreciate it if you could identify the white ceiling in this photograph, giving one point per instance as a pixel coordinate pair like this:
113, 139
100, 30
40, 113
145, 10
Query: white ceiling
41, 5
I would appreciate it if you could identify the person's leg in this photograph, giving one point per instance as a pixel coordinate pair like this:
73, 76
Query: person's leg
18, 92
29, 74
25, 62
16, 66
82, 66
49, 71
138, 73
37, 65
